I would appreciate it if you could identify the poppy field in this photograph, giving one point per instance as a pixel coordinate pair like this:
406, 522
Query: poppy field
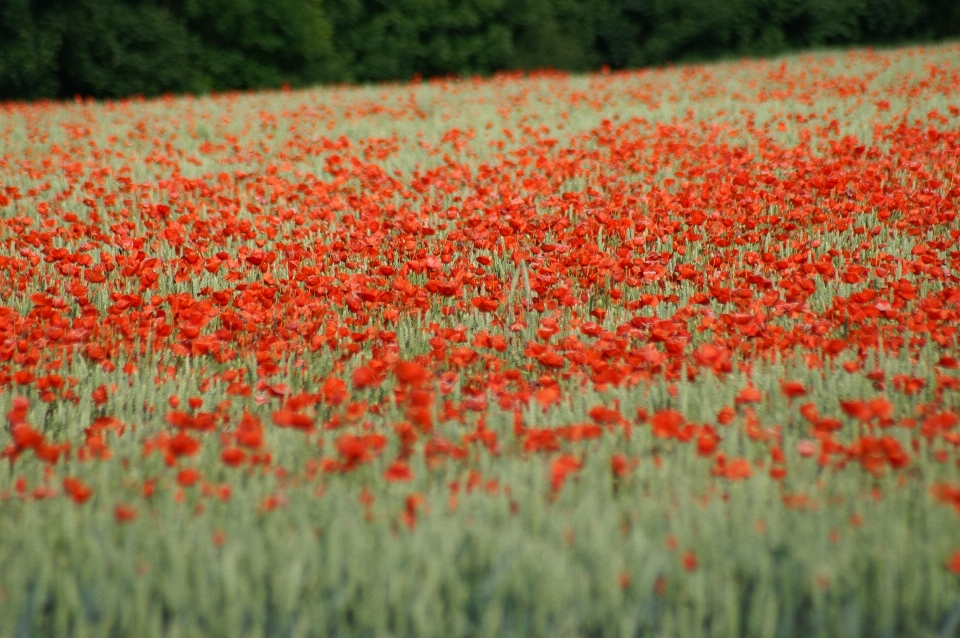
670, 352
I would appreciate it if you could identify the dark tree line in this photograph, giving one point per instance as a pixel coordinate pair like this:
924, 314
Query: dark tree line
113, 48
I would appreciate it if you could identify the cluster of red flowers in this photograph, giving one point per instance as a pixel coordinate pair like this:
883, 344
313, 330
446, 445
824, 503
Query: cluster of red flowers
610, 246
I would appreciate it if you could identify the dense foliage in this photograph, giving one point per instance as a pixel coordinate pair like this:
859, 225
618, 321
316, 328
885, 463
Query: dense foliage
111, 48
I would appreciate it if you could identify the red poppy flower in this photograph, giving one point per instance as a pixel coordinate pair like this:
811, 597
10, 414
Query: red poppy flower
78, 491
398, 471
188, 477
233, 456
124, 513
411, 373
953, 563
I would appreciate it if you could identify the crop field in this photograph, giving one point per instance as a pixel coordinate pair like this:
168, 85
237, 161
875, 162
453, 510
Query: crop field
666, 353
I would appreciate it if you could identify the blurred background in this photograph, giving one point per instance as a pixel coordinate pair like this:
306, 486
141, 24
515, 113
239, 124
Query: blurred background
116, 48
